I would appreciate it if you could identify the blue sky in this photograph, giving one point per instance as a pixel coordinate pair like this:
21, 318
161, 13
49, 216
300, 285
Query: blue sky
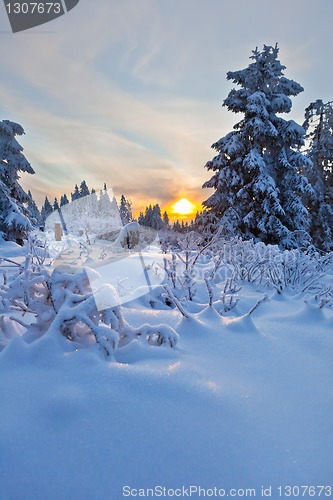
129, 92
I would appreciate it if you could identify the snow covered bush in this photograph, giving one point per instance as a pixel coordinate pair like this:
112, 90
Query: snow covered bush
213, 274
61, 302
186, 263
268, 265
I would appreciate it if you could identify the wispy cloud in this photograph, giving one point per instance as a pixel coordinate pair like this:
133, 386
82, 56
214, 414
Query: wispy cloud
130, 92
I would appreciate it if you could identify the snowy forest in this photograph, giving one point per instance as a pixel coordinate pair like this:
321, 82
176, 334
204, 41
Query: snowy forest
231, 312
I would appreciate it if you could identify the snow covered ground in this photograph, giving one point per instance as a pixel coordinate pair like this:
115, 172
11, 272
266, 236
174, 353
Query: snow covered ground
242, 402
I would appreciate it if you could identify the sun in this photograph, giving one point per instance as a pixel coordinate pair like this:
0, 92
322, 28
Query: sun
183, 207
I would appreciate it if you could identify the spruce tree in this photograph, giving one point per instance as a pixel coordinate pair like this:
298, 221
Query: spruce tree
166, 219
46, 209
125, 210
152, 217
64, 200
105, 205
76, 194
259, 192
55, 204
93, 203
34, 213
157, 222
319, 127
141, 219
149, 216
14, 216
177, 226
84, 190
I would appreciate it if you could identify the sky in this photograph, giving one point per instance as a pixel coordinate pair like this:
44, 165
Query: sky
130, 92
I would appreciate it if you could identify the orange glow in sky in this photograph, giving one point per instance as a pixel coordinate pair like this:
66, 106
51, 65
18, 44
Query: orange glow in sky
183, 208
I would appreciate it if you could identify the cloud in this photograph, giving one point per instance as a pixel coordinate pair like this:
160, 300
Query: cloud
83, 129
130, 92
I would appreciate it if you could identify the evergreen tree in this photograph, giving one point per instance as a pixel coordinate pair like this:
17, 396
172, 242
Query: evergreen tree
157, 222
33, 210
76, 194
177, 226
64, 200
166, 221
46, 209
152, 217
205, 223
93, 203
125, 210
149, 216
84, 190
141, 219
55, 204
14, 216
105, 205
319, 127
259, 192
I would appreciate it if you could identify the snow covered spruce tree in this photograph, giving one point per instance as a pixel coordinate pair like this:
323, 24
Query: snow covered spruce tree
84, 190
14, 216
319, 128
64, 200
35, 216
46, 209
152, 217
55, 204
125, 210
259, 192
76, 194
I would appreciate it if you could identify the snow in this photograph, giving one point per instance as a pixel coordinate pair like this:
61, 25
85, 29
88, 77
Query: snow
243, 400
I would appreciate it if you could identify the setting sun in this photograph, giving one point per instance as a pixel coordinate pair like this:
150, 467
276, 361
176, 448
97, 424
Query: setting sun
183, 207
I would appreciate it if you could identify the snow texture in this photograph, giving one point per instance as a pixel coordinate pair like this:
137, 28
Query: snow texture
243, 399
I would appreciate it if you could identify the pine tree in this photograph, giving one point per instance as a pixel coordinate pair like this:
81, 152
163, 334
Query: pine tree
152, 217
14, 216
46, 209
105, 205
93, 203
64, 200
76, 194
157, 222
177, 226
35, 216
149, 216
319, 127
55, 204
125, 210
166, 219
205, 223
259, 192
84, 190
141, 219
